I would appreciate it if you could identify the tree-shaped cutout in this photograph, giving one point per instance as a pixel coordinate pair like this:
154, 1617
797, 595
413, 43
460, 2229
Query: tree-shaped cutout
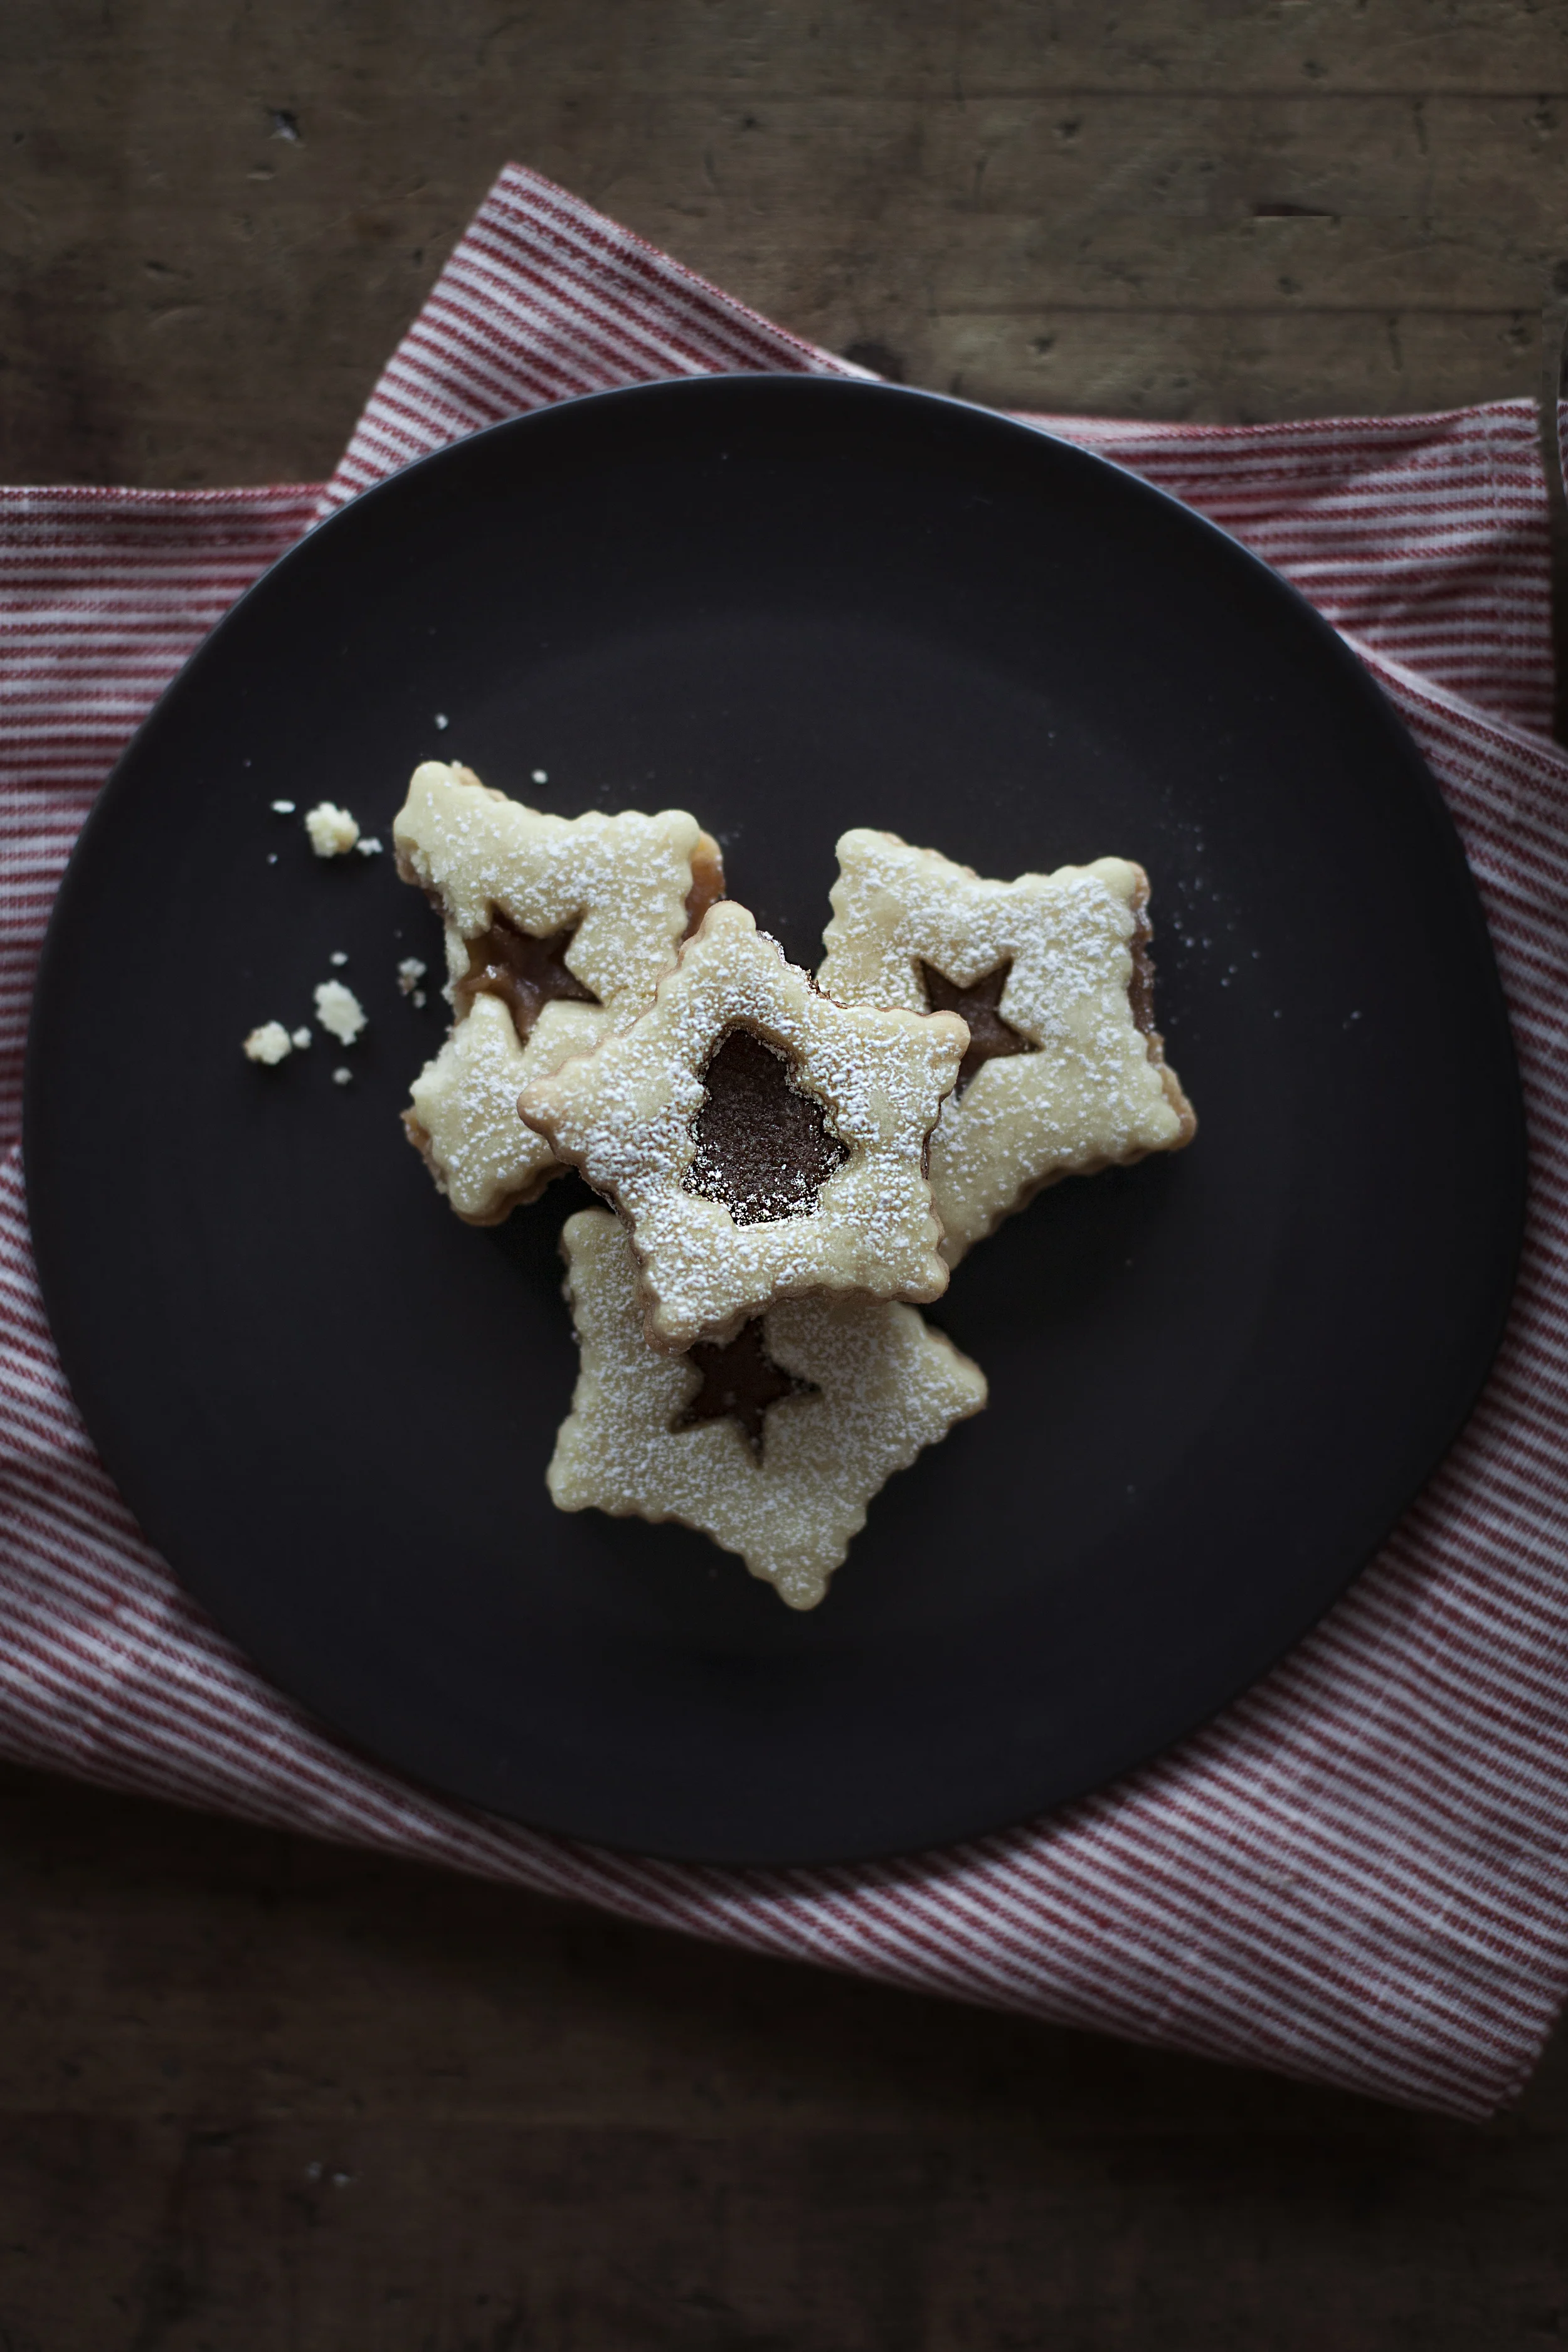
764, 1147
627, 1114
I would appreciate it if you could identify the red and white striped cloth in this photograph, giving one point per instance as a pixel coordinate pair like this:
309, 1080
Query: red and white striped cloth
1359, 1872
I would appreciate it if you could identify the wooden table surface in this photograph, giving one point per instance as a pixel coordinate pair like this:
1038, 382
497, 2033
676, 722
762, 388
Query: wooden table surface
260, 2095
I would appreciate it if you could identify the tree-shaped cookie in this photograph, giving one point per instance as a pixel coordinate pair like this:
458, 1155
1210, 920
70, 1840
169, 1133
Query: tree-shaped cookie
760, 1140
773, 1444
555, 928
1065, 1073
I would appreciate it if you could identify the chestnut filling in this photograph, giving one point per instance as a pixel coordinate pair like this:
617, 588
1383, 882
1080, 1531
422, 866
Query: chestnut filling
764, 1150
740, 1381
707, 885
989, 1034
526, 973
1141, 988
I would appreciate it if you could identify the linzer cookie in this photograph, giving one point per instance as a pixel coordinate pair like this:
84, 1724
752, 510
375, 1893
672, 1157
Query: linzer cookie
1065, 1072
555, 928
760, 1140
774, 1444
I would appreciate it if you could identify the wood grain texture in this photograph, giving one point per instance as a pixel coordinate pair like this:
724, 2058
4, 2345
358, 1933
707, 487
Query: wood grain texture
259, 2096
216, 221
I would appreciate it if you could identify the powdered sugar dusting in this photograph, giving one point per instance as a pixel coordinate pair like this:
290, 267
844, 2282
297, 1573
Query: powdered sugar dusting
624, 1116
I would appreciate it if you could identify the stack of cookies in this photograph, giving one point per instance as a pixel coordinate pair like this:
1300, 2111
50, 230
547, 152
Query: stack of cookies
793, 1166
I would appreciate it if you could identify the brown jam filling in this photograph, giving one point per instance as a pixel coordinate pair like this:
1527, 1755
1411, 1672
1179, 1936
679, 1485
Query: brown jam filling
740, 1381
1141, 988
765, 1148
989, 1034
707, 882
526, 973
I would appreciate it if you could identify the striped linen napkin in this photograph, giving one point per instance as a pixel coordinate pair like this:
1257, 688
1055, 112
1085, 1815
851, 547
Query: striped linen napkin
1359, 1872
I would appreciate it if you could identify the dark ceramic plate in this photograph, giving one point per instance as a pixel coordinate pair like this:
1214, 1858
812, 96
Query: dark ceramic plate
790, 605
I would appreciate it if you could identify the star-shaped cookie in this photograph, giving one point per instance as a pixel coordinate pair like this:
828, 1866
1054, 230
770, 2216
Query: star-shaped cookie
555, 927
749, 1171
842, 1392
1065, 1073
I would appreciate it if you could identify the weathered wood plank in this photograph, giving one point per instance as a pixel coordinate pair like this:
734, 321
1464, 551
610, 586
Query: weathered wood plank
1020, 204
258, 2095
911, 47
155, 1961
389, 2238
552, 2129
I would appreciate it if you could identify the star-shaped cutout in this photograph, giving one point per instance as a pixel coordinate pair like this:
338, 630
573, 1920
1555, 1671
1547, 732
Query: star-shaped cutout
1080, 1082
978, 1004
871, 1384
527, 973
740, 1382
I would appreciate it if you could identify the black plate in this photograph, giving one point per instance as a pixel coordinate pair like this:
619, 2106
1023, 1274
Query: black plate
790, 605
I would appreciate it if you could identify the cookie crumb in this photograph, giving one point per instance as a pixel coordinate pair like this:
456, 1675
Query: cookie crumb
340, 1012
283, 808
333, 831
410, 972
539, 776
301, 1038
272, 857
271, 1043
370, 846
338, 956
342, 1076
442, 720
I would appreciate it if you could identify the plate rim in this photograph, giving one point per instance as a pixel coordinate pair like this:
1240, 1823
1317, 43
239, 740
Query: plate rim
50, 1246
